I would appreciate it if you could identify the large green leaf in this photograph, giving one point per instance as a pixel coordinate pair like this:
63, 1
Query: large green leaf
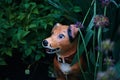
22, 33
6, 51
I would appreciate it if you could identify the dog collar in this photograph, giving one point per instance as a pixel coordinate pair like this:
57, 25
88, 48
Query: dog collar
65, 59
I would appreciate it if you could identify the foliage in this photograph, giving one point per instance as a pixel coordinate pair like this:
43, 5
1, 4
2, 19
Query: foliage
25, 23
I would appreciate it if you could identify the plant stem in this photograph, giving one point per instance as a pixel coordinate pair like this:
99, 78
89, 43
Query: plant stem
83, 40
105, 10
88, 12
99, 47
82, 35
96, 65
98, 55
94, 34
78, 56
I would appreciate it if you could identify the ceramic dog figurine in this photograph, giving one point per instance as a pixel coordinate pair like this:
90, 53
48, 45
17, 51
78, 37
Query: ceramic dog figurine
63, 41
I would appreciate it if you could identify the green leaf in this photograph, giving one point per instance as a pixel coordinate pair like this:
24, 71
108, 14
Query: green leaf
77, 9
37, 57
87, 39
14, 45
27, 5
28, 51
117, 66
91, 24
32, 25
105, 29
116, 50
35, 11
43, 24
8, 52
8, 1
53, 4
21, 16
21, 34
2, 62
33, 4
92, 57
23, 41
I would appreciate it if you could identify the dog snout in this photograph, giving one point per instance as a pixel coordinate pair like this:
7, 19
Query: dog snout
45, 43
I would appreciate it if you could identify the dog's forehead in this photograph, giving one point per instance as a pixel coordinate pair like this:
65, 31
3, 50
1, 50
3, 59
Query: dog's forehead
60, 28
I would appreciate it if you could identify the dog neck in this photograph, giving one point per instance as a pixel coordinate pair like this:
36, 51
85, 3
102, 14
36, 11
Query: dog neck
68, 56
67, 59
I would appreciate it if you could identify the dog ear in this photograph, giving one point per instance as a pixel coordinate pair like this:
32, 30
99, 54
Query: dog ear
56, 25
72, 32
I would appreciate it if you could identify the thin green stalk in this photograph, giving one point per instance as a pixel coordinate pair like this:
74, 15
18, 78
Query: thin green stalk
99, 35
94, 34
117, 5
100, 40
87, 12
99, 46
78, 56
85, 48
94, 8
98, 55
82, 35
105, 10
96, 65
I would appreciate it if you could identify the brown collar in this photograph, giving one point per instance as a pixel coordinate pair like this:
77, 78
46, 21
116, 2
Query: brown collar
67, 59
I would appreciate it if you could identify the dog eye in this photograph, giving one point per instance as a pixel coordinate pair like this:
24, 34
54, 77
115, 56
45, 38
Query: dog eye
61, 36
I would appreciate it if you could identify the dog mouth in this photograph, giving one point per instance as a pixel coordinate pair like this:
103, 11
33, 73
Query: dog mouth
52, 51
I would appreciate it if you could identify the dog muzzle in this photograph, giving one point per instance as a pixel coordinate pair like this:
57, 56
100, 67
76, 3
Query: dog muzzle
49, 49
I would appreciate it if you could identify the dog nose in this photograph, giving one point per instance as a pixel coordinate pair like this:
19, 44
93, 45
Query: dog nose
45, 43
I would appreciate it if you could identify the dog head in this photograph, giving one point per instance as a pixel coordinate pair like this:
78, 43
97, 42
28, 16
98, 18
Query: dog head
63, 39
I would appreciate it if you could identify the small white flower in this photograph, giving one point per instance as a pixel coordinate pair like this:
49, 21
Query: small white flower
65, 68
27, 71
102, 76
107, 45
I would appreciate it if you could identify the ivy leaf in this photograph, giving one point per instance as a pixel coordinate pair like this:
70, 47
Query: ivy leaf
35, 11
2, 62
8, 1
28, 51
21, 16
27, 5
32, 25
21, 34
37, 57
8, 52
